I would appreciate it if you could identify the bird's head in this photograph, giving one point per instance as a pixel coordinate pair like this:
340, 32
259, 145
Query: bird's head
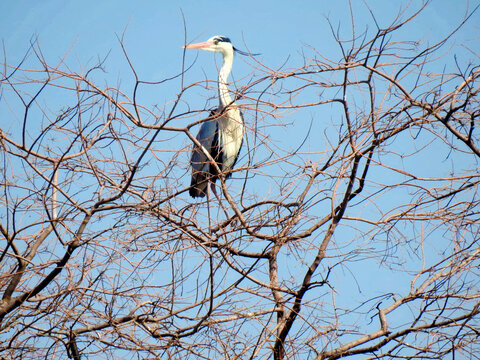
217, 43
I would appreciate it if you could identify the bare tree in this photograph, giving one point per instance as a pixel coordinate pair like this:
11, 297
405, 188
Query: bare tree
360, 238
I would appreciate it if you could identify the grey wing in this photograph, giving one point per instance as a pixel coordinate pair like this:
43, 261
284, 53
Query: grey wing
199, 162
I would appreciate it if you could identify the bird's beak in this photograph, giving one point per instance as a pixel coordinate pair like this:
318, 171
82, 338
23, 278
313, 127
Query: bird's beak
202, 45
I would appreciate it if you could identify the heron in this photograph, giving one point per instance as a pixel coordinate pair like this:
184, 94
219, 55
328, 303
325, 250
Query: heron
221, 136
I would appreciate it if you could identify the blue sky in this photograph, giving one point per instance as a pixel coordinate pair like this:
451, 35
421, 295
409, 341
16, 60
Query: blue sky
154, 35
155, 31
282, 31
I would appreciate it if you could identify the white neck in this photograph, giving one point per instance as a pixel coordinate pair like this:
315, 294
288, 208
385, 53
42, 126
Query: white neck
224, 95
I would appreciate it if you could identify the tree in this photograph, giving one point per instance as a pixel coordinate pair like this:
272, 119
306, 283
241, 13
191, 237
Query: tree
361, 238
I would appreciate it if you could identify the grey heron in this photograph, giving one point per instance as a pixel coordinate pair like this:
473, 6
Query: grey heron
222, 135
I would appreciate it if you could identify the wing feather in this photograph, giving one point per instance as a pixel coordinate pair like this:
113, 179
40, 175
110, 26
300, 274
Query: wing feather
222, 143
201, 169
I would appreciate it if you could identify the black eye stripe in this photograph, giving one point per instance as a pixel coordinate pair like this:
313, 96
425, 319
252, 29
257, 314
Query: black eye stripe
222, 39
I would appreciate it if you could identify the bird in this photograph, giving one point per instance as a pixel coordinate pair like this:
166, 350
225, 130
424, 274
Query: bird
222, 134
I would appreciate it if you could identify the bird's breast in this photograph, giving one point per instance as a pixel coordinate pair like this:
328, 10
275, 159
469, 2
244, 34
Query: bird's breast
231, 137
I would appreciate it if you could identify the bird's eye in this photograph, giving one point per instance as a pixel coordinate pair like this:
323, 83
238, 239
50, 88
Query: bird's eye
215, 42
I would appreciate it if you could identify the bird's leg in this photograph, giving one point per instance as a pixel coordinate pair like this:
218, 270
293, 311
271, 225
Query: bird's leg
212, 186
208, 212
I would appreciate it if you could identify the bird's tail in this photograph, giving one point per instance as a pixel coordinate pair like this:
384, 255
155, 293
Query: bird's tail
198, 185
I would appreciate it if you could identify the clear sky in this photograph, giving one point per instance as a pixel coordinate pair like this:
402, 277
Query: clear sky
155, 30
154, 33
282, 31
